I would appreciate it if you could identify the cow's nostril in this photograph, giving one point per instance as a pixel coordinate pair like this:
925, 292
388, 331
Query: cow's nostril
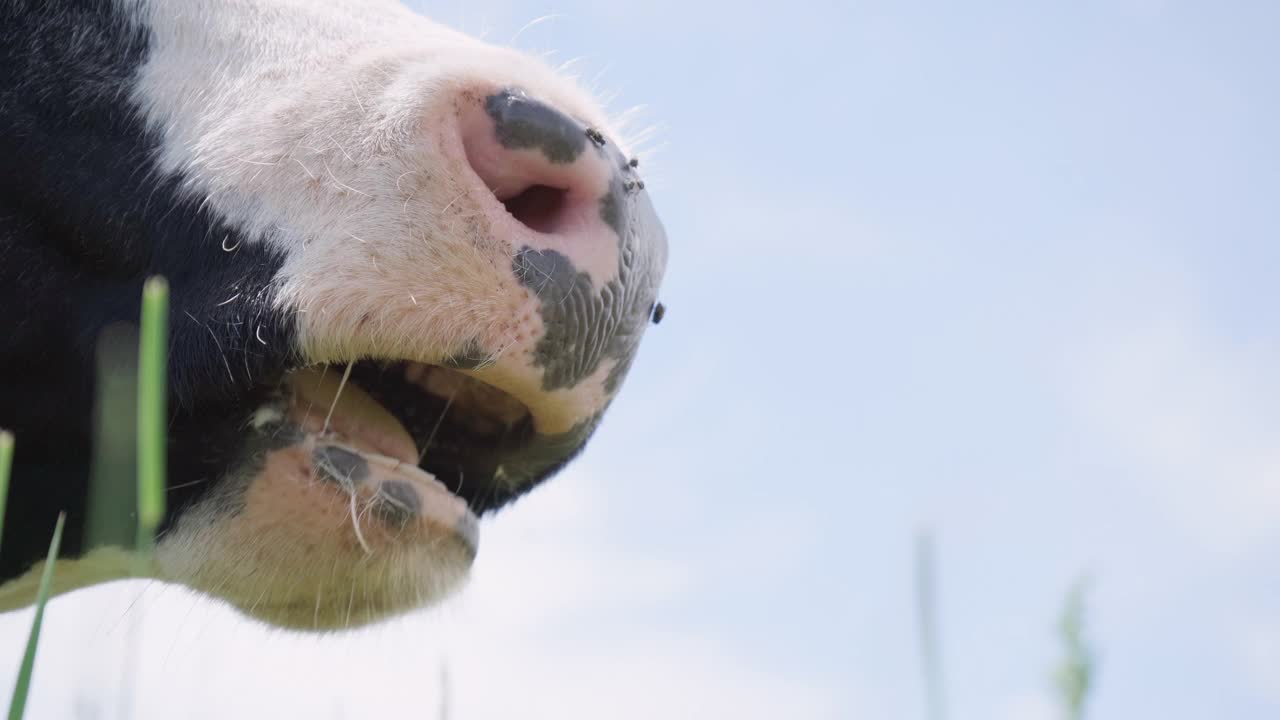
538, 162
538, 207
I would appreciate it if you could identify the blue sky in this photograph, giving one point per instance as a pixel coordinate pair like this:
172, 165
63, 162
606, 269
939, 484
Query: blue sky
1001, 270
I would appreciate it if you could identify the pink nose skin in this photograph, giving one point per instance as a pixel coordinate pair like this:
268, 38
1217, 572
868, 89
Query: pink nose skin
532, 158
551, 176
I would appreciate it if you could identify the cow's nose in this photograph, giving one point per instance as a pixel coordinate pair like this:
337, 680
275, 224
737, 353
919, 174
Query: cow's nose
547, 169
586, 255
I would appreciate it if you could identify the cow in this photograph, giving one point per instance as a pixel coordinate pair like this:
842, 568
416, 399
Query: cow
409, 272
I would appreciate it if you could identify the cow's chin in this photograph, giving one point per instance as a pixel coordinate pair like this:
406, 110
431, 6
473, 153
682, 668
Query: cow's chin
353, 501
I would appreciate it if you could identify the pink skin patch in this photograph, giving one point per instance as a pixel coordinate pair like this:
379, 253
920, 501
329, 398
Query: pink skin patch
386, 505
329, 537
334, 525
356, 458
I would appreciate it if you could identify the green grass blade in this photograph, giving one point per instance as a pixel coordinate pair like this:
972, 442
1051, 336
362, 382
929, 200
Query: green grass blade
18, 705
6, 464
152, 373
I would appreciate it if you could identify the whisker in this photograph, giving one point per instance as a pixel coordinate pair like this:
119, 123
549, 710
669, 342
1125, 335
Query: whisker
214, 335
355, 524
339, 183
451, 202
403, 175
532, 23
448, 403
351, 598
342, 149
341, 385
304, 168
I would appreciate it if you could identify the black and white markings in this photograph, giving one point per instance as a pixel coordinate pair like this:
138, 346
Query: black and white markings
306, 188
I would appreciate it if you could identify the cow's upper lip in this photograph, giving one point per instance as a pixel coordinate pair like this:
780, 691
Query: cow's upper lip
443, 421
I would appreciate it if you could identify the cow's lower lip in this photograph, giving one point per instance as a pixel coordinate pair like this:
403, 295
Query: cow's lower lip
324, 403
443, 423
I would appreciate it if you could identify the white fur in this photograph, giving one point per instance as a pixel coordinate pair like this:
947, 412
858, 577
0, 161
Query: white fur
324, 129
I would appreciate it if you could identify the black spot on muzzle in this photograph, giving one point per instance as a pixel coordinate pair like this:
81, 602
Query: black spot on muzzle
397, 503
522, 123
340, 465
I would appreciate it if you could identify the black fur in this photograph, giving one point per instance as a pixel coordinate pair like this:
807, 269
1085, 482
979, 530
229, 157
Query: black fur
85, 217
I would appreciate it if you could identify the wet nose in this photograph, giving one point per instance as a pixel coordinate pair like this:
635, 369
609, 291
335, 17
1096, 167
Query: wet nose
585, 242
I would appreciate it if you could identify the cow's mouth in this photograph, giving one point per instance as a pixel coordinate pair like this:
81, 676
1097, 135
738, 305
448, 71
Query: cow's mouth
457, 429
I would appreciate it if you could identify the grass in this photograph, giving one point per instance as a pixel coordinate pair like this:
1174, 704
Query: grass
153, 339
152, 374
6, 465
21, 688
111, 519
1075, 673
1072, 678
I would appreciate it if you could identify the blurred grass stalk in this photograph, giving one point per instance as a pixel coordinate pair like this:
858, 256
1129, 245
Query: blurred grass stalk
113, 483
927, 610
1074, 676
6, 465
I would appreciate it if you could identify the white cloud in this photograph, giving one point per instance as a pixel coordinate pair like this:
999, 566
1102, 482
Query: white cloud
1028, 706
548, 572
1195, 411
1257, 649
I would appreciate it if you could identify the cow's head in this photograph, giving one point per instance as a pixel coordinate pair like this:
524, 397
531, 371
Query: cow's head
409, 273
